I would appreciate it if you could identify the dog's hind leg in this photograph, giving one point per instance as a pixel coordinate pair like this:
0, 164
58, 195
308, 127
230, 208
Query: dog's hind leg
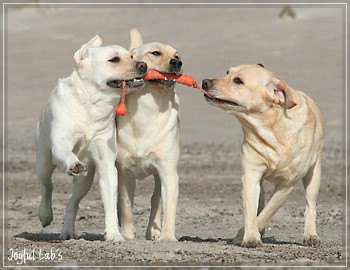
44, 169
261, 201
277, 199
154, 223
126, 188
261, 197
311, 182
82, 185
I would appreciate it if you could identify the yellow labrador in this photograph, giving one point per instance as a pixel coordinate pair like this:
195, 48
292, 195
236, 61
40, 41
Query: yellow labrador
148, 142
76, 130
284, 134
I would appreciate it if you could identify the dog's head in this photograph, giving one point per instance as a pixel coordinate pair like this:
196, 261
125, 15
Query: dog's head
108, 66
158, 56
249, 89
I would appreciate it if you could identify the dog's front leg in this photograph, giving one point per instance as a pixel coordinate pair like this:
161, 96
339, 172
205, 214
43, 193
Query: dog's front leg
170, 191
250, 200
154, 224
104, 155
126, 187
64, 158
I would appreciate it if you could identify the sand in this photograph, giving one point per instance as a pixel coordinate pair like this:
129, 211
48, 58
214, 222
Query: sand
306, 51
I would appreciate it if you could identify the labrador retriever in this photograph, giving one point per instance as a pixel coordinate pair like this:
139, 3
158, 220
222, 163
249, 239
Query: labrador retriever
284, 133
76, 131
148, 142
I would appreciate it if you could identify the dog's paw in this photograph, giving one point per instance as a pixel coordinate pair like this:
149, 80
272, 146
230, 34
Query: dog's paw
45, 214
115, 237
251, 243
78, 169
248, 240
153, 233
67, 235
312, 240
167, 237
128, 234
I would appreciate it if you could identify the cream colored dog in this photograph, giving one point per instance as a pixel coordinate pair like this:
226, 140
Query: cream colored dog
76, 130
284, 134
148, 142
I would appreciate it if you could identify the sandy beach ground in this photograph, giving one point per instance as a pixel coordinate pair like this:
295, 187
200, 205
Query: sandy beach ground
307, 51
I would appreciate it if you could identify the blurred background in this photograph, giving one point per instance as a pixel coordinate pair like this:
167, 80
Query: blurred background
303, 45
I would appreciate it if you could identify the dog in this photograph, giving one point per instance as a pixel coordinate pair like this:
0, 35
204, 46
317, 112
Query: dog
76, 131
148, 142
284, 133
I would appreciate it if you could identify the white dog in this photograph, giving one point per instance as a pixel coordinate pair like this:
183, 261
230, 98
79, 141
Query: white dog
148, 142
76, 130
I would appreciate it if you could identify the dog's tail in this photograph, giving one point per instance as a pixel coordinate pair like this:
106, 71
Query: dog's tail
135, 38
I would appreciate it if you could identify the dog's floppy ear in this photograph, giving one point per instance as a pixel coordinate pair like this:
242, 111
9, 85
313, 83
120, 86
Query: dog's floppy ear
280, 93
83, 52
135, 38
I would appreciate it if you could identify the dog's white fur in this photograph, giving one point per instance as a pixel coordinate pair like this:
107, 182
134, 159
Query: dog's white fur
148, 144
284, 134
76, 132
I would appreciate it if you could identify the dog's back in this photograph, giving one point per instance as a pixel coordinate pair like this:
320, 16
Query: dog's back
299, 140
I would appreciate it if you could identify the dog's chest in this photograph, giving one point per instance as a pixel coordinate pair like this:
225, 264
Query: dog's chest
144, 138
140, 156
139, 166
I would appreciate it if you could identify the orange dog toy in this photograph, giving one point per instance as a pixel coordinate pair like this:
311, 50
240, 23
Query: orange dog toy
121, 109
181, 78
153, 74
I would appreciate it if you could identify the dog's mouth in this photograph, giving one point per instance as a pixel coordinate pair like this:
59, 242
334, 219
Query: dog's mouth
219, 101
132, 83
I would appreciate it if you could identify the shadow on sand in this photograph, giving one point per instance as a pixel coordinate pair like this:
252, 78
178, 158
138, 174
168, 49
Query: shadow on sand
265, 240
54, 237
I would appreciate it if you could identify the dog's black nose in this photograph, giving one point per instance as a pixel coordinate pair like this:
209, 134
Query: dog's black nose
175, 65
207, 84
141, 66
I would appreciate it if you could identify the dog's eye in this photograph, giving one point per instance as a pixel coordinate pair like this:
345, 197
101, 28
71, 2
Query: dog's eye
227, 72
237, 80
176, 57
114, 59
156, 53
